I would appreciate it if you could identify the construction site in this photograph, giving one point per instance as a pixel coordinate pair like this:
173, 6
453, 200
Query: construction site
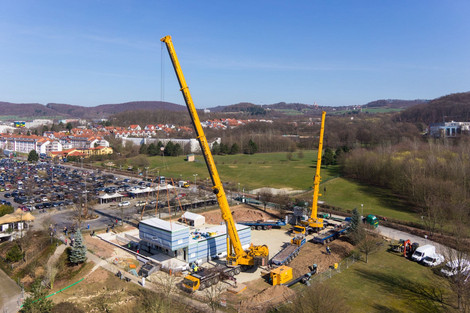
249, 255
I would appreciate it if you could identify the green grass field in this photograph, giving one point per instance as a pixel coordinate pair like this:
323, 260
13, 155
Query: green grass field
251, 171
391, 283
349, 194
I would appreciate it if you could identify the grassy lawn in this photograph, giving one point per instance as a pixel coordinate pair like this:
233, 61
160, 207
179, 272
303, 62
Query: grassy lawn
391, 283
348, 194
251, 171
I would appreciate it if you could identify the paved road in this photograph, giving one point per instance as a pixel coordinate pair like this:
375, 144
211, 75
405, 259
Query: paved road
397, 235
10, 293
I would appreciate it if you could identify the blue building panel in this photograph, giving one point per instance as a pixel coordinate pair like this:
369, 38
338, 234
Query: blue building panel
162, 233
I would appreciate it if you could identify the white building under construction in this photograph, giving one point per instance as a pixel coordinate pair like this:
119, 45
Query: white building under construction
188, 244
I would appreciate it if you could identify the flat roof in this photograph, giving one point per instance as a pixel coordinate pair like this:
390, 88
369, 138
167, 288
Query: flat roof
192, 216
219, 229
164, 225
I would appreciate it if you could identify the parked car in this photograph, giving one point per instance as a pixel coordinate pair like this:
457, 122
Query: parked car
433, 260
422, 252
124, 203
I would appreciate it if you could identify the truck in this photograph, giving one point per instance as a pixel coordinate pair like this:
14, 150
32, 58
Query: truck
421, 252
288, 252
183, 184
207, 277
372, 220
237, 258
260, 224
330, 234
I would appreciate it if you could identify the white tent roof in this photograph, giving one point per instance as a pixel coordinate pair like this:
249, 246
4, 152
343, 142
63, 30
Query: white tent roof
192, 216
108, 196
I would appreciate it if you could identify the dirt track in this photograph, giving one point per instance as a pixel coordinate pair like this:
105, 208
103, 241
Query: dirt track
242, 213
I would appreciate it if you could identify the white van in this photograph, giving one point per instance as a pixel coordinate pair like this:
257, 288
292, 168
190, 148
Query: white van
456, 266
433, 260
422, 252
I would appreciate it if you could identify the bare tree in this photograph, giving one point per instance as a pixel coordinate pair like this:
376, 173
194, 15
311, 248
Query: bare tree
370, 242
212, 296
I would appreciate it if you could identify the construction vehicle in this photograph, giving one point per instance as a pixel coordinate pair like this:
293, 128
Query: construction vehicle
236, 256
409, 248
330, 234
183, 184
314, 223
282, 275
289, 251
260, 224
207, 277
372, 220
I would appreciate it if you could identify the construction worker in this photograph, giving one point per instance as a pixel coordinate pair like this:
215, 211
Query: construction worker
328, 250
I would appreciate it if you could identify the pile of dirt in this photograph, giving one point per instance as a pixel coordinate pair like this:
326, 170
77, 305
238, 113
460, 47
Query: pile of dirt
316, 254
269, 297
241, 213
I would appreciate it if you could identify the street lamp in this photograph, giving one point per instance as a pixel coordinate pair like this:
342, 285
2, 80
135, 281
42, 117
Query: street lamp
195, 177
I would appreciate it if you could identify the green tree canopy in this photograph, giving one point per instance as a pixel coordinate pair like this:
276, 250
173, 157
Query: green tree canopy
33, 156
328, 157
234, 149
78, 251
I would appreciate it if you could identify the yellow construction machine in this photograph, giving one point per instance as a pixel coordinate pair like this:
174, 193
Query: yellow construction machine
236, 256
314, 223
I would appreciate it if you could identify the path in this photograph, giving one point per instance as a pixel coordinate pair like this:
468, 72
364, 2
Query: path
10, 293
55, 257
397, 235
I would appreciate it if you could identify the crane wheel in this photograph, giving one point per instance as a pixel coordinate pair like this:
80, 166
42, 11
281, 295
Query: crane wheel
237, 271
258, 227
203, 286
253, 227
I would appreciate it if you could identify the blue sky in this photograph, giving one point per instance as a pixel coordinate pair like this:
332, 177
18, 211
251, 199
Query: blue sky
329, 52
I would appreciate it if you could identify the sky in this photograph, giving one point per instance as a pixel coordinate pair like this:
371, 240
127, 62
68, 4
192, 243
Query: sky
330, 53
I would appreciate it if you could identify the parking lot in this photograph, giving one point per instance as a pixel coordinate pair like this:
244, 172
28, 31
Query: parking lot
61, 190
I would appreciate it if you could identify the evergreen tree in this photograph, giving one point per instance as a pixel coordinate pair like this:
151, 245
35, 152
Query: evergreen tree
152, 149
169, 149
69, 126
215, 148
159, 146
37, 301
33, 156
234, 149
224, 149
78, 251
328, 157
252, 148
143, 149
177, 150
356, 231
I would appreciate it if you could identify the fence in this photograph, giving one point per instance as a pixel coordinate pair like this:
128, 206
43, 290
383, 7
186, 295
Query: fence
343, 265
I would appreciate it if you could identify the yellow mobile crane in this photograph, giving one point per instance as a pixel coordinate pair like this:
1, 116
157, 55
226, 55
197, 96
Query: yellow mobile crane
255, 255
314, 223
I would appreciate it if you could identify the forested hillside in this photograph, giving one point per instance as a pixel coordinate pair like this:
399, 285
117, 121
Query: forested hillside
454, 107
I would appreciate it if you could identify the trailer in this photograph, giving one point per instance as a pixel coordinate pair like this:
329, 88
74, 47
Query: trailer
207, 277
304, 279
329, 234
289, 252
260, 224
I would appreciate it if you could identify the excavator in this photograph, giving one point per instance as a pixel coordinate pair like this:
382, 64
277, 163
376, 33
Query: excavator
314, 223
236, 255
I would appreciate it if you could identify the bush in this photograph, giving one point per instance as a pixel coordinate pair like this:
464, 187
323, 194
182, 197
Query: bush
14, 254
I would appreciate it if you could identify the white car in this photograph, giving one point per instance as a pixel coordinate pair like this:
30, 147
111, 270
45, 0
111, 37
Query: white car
124, 203
433, 260
141, 203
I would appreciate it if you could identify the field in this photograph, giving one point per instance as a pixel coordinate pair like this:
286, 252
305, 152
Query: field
391, 283
348, 195
251, 171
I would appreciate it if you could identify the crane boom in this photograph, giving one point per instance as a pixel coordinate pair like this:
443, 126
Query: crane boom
240, 256
316, 180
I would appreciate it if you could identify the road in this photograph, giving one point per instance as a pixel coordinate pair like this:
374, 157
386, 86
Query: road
10, 293
397, 235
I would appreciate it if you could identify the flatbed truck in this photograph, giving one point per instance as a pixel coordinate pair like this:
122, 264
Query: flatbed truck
329, 235
264, 224
289, 252
207, 277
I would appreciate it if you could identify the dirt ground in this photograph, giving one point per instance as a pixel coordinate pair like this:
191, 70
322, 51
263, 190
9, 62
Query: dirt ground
242, 213
260, 296
99, 247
